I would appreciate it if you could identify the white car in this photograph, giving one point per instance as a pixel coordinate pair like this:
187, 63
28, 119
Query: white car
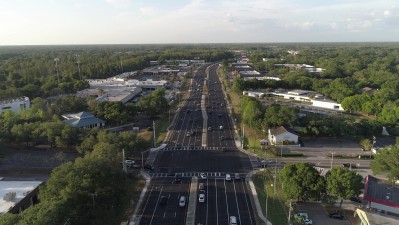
202, 175
201, 198
308, 221
228, 177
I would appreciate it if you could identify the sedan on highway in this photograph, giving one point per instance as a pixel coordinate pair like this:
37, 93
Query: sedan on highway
201, 197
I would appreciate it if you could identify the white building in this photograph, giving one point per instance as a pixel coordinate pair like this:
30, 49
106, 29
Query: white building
317, 100
14, 104
254, 94
282, 134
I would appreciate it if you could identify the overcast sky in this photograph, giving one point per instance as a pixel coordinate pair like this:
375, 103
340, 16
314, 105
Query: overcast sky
40, 22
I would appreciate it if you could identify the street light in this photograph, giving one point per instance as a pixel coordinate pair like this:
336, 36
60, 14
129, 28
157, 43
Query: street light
332, 158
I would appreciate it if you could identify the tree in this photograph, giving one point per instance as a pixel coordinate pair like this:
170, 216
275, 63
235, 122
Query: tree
69, 136
301, 180
367, 144
386, 162
343, 183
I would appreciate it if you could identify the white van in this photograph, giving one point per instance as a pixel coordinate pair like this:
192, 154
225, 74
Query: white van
182, 201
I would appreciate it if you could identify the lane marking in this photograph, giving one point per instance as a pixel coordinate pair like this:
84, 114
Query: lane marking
227, 204
246, 200
238, 208
156, 206
217, 211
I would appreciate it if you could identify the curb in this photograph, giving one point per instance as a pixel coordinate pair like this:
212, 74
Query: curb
136, 219
256, 200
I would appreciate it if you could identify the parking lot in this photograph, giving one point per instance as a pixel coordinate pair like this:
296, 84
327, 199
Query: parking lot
318, 214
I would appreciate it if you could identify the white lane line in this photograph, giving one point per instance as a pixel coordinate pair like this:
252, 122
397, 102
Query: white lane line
238, 208
207, 201
152, 188
227, 204
159, 196
217, 211
246, 200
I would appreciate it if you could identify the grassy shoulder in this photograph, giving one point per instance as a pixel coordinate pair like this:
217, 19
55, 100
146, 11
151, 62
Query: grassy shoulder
135, 186
277, 210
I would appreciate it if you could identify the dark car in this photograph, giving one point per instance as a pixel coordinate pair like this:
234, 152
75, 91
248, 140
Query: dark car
170, 173
355, 199
148, 167
163, 200
350, 165
177, 178
337, 215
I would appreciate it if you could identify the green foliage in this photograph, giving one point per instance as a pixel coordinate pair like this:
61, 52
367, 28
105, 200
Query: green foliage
251, 111
386, 162
367, 144
277, 115
69, 104
301, 180
154, 104
343, 183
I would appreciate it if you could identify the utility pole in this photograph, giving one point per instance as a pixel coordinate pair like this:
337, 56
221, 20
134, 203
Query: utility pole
94, 202
78, 62
243, 136
289, 214
275, 178
142, 161
124, 161
332, 159
153, 127
56, 68
267, 196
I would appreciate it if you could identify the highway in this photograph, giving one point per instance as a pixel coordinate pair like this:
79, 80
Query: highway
201, 140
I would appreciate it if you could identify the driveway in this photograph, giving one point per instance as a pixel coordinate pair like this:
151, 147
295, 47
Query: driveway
318, 214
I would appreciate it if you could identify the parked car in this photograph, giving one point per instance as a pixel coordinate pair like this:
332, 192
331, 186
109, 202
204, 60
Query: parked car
337, 215
202, 175
228, 177
201, 186
355, 199
177, 178
237, 176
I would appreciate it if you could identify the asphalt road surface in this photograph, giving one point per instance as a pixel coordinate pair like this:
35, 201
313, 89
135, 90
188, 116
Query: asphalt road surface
201, 141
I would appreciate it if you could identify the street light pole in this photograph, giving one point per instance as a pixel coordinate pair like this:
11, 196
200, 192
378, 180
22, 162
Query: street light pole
153, 127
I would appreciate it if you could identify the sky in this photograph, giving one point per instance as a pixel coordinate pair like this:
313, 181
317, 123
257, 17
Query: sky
53, 22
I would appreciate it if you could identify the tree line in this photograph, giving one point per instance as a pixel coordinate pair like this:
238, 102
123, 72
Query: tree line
32, 70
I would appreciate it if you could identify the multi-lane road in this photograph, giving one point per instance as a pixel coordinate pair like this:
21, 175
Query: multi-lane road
201, 140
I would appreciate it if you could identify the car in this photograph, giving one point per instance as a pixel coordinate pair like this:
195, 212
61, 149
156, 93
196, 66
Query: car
202, 175
136, 166
148, 167
129, 162
222, 137
355, 199
188, 134
209, 128
307, 221
163, 200
219, 115
237, 176
201, 197
182, 201
233, 220
220, 127
201, 186
228, 177
349, 165
177, 178
337, 215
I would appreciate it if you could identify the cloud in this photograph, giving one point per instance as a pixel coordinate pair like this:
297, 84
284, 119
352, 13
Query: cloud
118, 3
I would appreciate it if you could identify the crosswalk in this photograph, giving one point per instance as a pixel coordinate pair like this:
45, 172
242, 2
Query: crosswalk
214, 175
197, 148
254, 162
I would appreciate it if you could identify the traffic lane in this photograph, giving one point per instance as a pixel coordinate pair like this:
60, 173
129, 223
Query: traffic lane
202, 161
171, 212
244, 205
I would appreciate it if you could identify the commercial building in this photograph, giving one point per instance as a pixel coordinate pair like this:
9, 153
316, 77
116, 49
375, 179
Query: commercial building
309, 68
83, 120
315, 98
14, 104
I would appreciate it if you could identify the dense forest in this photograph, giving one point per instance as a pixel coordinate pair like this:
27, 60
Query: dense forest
32, 70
